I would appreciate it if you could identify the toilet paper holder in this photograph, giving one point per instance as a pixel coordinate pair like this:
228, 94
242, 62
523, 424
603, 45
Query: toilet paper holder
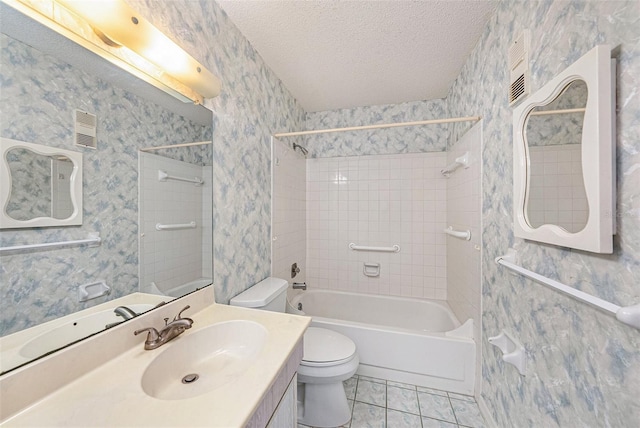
512, 351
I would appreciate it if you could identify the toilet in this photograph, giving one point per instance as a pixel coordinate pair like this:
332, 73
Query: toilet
328, 359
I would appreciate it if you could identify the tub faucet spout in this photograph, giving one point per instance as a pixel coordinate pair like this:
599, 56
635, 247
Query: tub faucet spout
299, 286
124, 312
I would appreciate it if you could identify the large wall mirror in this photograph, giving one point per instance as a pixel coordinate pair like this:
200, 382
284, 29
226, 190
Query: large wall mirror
564, 176
52, 297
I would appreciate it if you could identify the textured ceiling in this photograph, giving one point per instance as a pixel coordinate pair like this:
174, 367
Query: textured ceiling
343, 54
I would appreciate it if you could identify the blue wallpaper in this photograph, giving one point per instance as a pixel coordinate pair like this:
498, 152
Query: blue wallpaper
583, 366
411, 139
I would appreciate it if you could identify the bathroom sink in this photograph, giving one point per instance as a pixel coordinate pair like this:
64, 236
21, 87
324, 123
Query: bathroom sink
201, 361
74, 330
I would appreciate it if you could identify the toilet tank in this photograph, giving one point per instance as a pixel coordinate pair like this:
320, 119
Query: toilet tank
270, 294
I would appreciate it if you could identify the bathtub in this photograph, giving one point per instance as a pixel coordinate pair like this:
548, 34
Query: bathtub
404, 340
178, 290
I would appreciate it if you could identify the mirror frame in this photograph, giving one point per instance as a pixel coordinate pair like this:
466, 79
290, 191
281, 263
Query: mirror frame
8, 222
597, 69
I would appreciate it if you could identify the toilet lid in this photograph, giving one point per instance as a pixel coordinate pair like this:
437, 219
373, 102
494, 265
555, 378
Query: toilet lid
322, 345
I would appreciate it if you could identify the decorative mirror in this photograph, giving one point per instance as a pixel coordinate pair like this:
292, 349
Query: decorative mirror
40, 186
564, 157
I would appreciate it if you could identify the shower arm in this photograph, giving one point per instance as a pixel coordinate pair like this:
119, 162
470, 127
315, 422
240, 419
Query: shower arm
302, 149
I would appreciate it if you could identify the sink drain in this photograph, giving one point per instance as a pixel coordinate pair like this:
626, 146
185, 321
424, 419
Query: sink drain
190, 378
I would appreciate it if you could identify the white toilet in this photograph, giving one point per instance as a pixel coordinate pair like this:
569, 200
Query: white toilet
329, 358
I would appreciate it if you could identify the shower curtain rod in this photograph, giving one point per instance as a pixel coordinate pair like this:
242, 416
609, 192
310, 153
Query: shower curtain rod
384, 125
173, 146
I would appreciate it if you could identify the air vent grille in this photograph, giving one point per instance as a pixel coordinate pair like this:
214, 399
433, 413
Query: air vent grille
519, 68
517, 89
85, 129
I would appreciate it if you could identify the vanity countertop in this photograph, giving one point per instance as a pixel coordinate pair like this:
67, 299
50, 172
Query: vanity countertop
112, 394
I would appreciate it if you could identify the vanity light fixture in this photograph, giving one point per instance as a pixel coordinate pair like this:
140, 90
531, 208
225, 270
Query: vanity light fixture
117, 32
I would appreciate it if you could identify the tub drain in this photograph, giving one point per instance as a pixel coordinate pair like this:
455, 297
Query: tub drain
190, 378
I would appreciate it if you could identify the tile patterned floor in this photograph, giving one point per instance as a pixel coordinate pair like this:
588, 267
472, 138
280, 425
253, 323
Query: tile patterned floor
378, 403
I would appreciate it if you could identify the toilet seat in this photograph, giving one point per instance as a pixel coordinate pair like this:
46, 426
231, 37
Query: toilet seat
323, 347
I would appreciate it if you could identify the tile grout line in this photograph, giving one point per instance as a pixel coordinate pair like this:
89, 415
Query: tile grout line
419, 409
452, 409
355, 394
386, 402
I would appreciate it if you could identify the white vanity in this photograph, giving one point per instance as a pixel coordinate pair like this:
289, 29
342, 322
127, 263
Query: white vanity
246, 361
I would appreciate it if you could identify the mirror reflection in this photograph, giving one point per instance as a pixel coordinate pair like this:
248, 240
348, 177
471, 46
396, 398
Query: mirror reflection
39, 291
553, 132
40, 185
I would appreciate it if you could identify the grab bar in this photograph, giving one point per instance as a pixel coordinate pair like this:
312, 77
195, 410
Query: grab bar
163, 176
93, 240
462, 234
460, 161
629, 315
190, 225
394, 249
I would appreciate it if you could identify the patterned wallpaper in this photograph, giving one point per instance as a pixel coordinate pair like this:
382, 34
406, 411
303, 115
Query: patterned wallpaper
411, 139
39, 94
583, 365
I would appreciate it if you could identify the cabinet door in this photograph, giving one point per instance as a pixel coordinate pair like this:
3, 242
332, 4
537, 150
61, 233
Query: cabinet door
286, 414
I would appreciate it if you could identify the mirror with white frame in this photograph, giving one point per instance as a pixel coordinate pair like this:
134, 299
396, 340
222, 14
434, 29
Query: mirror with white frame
564, 154
43, 293
40, 186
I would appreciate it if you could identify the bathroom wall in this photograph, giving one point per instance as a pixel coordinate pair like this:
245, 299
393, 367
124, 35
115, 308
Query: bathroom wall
378, 200
583, 365
253, 105
288, 207
410, 139
39, 94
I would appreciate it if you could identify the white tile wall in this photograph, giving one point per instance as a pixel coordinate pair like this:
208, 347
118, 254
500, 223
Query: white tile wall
174, 257
288, 220
557, 193
378, 201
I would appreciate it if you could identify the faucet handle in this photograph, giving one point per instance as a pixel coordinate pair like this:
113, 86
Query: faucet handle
179, 316
152, 336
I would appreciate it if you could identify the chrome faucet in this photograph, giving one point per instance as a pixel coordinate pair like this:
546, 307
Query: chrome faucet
156, 339
299, 286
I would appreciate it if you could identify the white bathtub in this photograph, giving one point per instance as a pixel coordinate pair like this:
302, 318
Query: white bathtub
406, 340
178, 290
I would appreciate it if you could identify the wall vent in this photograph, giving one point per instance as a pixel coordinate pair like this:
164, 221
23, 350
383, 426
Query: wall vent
519, 68
85, 129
